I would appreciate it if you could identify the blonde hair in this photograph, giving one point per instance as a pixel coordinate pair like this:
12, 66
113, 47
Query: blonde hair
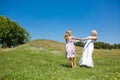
95, 32
68, 33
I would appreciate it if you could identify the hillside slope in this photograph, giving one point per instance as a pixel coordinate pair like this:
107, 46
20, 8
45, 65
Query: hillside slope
47, 44
45, 60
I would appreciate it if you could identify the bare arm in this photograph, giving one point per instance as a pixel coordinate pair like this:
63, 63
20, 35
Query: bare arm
91, 38
75, 38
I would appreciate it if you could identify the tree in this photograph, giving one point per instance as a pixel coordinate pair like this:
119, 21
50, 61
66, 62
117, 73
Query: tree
100, 45
80, 44
11, 33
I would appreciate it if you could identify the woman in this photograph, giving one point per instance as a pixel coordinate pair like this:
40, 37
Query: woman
70, 48
86, 59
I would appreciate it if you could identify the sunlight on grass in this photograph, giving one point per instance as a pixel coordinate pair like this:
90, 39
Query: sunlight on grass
38, 60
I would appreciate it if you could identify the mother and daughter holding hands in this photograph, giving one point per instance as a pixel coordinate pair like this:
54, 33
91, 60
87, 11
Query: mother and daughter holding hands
86, 59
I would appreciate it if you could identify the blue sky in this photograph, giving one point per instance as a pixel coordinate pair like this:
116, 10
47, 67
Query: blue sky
49, 19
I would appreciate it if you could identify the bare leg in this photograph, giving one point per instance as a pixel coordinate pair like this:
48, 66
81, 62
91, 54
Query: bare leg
74, 62
71, 62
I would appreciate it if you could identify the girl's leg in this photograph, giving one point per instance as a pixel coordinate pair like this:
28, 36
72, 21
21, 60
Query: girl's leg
71, 62
74, 62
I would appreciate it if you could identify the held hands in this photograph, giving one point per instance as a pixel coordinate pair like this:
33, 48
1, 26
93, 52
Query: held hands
83, 39
79, 39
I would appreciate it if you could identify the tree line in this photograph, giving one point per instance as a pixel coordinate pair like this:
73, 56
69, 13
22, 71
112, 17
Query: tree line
100, 45
11, 33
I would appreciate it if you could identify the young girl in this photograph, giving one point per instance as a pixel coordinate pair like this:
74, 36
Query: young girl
70, 48
86, 59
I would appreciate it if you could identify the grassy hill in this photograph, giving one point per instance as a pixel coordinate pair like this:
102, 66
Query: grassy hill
45, 60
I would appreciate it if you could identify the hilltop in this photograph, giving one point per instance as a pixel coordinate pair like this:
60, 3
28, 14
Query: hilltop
44, 45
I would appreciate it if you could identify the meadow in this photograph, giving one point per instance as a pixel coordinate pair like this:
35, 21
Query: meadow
45, 60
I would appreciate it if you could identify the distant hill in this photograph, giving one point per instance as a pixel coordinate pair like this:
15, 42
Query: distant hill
43, 45
47, 44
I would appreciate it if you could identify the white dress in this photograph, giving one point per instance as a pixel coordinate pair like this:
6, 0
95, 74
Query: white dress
70, 49
86, 59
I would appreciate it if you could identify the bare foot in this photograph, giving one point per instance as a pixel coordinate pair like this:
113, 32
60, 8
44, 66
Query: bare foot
74, 66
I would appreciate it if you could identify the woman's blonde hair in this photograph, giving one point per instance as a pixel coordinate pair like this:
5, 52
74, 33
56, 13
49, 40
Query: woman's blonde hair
68, 33
95, 32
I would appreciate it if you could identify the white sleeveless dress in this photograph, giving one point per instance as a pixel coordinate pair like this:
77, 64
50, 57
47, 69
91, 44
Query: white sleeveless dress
70, 49
86, 59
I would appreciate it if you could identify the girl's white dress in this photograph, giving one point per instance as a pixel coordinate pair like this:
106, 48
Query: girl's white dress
86, 59
70, 49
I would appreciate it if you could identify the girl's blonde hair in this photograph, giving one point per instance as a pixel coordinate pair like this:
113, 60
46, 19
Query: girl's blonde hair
68, 33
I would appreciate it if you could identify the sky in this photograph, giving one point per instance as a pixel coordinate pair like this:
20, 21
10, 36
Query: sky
49, 19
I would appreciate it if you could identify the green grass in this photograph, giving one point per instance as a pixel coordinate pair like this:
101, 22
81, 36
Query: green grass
45, 60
